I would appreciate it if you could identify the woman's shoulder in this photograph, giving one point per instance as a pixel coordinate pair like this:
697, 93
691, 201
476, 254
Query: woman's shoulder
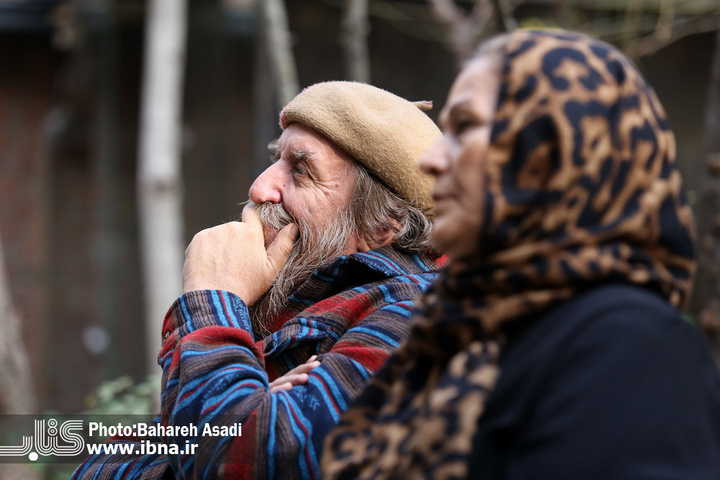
610, 312
613, 336
615, 301
605, 383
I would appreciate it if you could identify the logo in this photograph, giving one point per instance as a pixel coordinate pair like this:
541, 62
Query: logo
49, 439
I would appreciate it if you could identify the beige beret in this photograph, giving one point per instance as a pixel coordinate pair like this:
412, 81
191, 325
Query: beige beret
385, 133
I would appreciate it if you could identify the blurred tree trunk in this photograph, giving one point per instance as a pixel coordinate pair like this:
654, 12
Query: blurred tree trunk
265, 115
506, 22
707, 209
16, 393
160, 166
277, 38
354, 40
463, 30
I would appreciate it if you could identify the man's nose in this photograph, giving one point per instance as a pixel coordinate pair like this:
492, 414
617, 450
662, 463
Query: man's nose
268, 186
435, 160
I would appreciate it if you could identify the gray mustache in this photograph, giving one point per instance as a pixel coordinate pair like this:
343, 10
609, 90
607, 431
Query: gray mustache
273, 215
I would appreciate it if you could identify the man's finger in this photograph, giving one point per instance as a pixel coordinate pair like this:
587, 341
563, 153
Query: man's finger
250, 216
281, 387
297, 378
279, 249
288, 381
305, 367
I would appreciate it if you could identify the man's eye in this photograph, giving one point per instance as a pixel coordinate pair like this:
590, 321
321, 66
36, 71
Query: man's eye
299, 169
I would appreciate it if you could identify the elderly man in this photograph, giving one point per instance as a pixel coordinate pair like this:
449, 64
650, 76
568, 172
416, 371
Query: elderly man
286, 314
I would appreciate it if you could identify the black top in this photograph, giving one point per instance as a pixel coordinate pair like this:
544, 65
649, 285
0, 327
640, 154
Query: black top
613, 384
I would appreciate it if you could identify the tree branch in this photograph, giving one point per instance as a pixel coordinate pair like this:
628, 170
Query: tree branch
653, 42
463, 29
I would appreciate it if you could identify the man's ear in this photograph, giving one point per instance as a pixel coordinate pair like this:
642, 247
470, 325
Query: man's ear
382, 238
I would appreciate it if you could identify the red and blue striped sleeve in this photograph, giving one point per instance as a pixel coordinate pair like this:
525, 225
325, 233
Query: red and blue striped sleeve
214, 374
122, 465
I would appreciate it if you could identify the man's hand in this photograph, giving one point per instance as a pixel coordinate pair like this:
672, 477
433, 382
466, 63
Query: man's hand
232, 257
296, 376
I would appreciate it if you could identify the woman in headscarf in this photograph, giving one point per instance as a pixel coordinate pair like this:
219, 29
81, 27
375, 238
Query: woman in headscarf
552, 346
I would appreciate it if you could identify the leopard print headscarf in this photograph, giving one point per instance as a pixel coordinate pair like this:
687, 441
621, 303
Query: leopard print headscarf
581, 188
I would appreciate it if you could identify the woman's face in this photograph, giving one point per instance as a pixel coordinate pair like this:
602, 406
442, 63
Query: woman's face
457, 161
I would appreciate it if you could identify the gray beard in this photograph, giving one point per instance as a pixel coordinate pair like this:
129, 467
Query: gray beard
315, 246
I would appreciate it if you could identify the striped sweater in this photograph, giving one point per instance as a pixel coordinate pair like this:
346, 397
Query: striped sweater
352, 313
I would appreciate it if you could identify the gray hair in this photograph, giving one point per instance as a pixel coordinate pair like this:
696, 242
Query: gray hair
375, 209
